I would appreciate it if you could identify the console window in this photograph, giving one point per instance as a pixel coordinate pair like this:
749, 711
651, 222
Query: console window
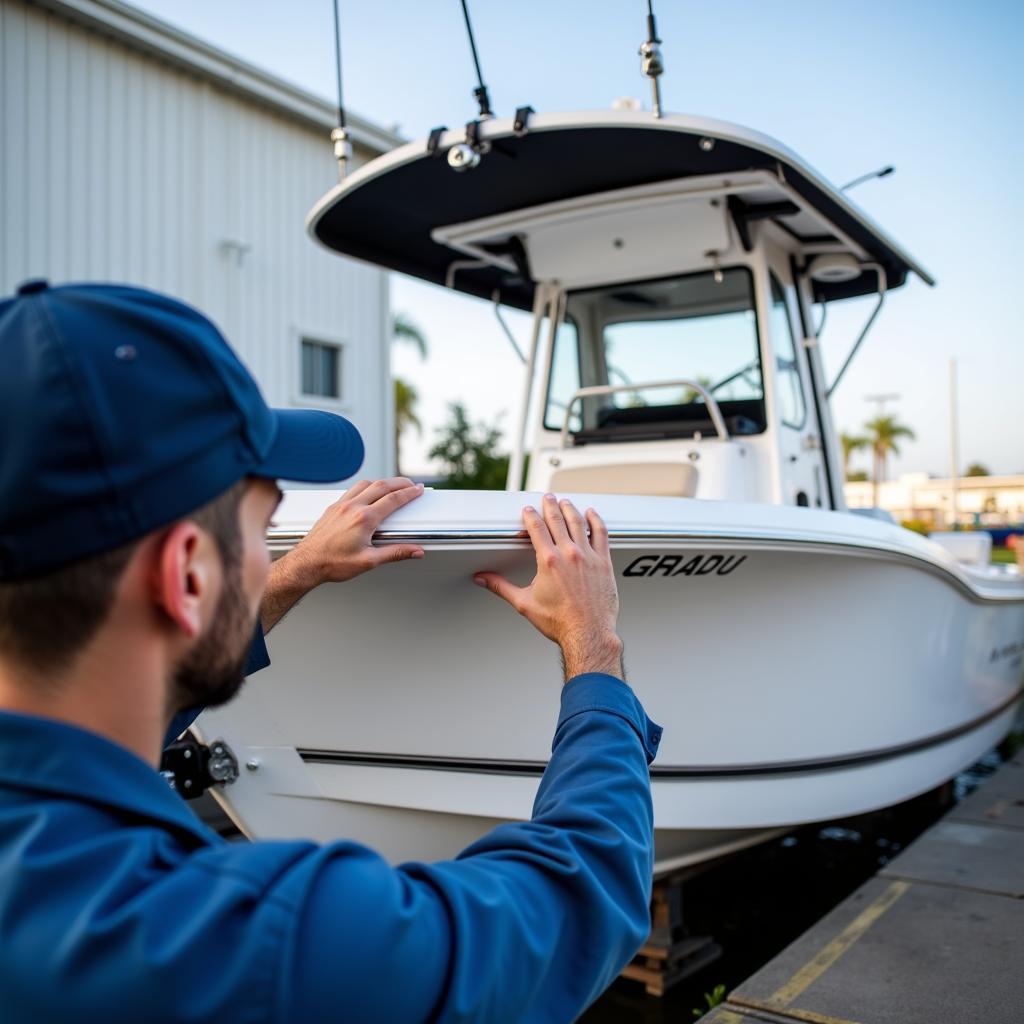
686, 328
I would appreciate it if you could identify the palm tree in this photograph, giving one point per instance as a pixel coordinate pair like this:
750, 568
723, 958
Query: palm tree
851, 443
883, 433
403, 328
406, 398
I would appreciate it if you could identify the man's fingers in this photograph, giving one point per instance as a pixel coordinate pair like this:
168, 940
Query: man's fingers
355, 490
574, 521
376, 512
379, 488
383, 507
598, 533
553, 517
537, 529
395, 553
497, 584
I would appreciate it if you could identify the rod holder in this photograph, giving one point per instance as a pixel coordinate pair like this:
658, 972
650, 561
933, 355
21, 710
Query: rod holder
342, 149
652, 65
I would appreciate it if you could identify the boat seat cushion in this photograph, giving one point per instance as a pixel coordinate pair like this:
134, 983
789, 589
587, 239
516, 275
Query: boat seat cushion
665, 479
971, 548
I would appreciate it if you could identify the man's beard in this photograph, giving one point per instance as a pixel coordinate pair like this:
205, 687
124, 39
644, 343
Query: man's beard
212, 673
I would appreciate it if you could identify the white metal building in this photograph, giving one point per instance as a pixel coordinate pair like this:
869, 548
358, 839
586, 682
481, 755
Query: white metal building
133, 152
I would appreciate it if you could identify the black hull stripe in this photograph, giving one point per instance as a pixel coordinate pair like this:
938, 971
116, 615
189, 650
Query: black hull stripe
494, 766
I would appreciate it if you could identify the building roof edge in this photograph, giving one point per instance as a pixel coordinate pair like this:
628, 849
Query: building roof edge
145, 32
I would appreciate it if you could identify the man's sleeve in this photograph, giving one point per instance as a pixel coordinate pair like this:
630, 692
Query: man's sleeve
530, 923
258, 658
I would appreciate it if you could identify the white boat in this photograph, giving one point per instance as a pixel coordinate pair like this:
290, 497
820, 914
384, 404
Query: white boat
806, 663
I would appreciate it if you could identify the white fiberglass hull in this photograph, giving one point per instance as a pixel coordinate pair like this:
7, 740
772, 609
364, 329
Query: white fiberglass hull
806, 665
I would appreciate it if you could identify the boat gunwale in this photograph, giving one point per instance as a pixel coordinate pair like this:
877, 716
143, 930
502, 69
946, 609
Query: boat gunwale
283, 540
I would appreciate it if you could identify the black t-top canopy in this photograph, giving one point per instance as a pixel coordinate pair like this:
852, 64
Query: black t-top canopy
385, 213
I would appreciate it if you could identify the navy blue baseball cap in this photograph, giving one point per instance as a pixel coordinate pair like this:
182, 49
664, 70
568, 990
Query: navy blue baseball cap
122, 410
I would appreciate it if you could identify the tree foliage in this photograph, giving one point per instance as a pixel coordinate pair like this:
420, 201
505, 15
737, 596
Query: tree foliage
977, 469
884, 433
403, 328
851, 443
470, 453
406, 397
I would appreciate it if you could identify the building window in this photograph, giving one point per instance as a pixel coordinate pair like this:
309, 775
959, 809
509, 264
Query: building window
321, 369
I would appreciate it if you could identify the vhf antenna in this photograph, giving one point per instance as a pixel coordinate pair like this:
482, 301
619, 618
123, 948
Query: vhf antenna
465, 155
339, 135
480, 92
651, 64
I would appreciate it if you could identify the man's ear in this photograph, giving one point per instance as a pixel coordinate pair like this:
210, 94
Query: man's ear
186, 576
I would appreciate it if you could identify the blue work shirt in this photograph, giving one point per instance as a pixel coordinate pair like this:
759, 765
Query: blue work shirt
118, 905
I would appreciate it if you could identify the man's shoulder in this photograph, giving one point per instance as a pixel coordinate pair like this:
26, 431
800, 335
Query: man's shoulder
62, 828
71, 826
51, 820
68, 847
143, 904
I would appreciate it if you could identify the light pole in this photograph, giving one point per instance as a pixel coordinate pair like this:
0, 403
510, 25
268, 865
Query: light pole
954, 445
881, 400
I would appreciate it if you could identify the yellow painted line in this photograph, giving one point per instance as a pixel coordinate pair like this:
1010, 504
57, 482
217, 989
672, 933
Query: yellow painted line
780, 1000
727, 1017
826, 957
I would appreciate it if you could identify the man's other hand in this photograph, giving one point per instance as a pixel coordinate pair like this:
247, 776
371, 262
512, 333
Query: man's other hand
339, 546
573, 599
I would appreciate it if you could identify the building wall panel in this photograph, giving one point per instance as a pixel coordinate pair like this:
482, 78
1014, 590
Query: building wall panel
119, 166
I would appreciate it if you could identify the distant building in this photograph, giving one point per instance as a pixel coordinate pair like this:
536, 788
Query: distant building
990, 500
131, 151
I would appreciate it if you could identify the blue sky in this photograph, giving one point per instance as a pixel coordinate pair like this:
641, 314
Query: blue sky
932, 87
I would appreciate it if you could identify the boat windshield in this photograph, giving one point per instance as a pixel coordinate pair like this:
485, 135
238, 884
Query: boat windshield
689, 328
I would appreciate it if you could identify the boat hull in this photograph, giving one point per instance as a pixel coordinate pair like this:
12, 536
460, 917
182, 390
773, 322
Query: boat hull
797, 679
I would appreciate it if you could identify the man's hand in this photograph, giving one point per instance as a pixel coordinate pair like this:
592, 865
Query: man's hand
339, 546
573, 599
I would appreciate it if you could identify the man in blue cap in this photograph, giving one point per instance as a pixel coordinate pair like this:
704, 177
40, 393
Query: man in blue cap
137, 479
